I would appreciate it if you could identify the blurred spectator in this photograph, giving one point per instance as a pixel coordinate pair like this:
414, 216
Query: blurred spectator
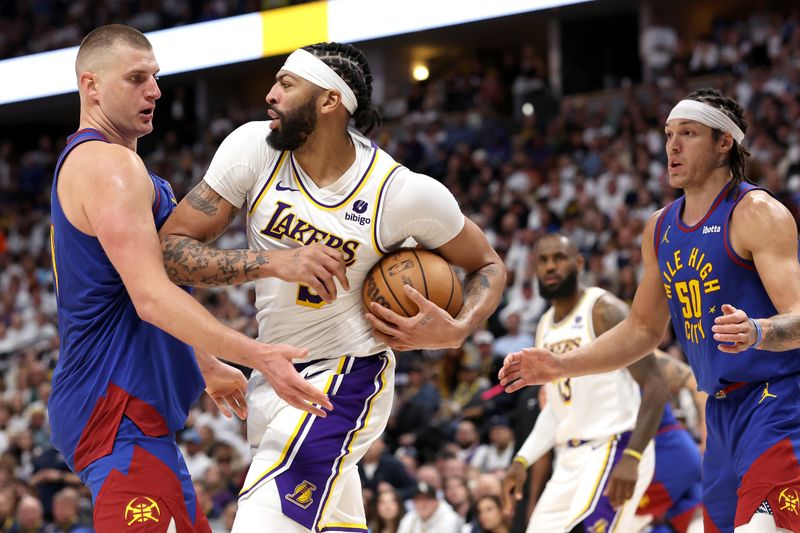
490, 516
468, 440
496, 455
379, 471
197, 461
429, 513
387, 512
515, 339
659, 46
456, 493
51, 475
30, 516
66, 519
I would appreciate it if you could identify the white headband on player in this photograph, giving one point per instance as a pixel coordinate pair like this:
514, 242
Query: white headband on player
313, 69
708, 115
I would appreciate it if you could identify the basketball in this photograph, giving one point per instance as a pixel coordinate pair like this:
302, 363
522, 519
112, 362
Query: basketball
427, 272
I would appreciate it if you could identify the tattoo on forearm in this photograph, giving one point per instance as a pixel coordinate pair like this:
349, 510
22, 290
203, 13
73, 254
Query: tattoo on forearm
190, 262
782, 333
675, 372
475, 287
204, 199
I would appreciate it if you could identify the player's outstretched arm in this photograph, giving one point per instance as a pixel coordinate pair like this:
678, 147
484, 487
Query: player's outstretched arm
762, 227
619, 347
118, 209
432, 327
203, 216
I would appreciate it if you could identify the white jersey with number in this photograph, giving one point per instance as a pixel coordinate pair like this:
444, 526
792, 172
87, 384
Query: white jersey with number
303, 476
285, 209
586, 407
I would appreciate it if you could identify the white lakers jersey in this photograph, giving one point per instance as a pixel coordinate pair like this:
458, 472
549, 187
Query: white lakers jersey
285, 209
587, 407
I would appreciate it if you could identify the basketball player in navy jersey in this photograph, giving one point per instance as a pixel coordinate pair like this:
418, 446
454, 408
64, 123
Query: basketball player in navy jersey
304, 177
724, 252
126, 374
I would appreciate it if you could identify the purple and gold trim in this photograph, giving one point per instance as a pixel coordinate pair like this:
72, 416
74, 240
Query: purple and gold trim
598, 512
379, 384
344, 528
278, 165
377, 210
347, 198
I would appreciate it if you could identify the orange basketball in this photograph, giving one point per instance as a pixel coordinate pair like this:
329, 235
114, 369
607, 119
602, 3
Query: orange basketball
427, 272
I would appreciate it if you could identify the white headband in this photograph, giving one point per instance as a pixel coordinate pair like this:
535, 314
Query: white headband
708, 115
313, 69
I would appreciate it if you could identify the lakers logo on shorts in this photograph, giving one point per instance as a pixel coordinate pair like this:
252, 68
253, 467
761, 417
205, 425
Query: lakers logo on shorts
142, 509
303, 494
601, 526
788, 500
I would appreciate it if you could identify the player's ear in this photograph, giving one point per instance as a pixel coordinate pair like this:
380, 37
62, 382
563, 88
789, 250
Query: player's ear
726, 143
88, 83
330, 101
580, 262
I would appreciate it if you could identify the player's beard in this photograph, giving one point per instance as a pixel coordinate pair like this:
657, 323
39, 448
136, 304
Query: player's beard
295, 127
565, 289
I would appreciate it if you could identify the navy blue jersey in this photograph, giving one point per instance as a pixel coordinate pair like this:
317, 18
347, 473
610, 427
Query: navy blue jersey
112, 364
701, 272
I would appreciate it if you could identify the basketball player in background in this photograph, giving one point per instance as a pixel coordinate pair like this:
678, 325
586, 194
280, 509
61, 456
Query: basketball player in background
126, 374
601, 425
673, 501
303, 177
726, 250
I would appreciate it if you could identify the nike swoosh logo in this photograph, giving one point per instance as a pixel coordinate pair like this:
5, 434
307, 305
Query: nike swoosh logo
314, 374
279, 186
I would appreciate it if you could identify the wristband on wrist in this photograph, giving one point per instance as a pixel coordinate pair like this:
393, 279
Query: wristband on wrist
759, 333
633, 453
521, 460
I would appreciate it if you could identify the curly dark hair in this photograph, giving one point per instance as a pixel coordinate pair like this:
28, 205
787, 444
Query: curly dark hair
351, 65
737, 157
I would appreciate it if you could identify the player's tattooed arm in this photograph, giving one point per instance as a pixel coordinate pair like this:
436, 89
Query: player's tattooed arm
200, 219
780, 333
676, 373
476, 283
203, 216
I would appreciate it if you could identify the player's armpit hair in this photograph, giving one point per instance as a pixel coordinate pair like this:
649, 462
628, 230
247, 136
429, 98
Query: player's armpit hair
737, 157
351, 65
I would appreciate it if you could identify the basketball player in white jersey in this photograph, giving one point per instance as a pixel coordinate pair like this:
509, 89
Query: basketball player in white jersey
600, 426
306, 180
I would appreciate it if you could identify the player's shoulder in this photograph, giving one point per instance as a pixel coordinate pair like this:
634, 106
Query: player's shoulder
100, 161
757, 209
607, 311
